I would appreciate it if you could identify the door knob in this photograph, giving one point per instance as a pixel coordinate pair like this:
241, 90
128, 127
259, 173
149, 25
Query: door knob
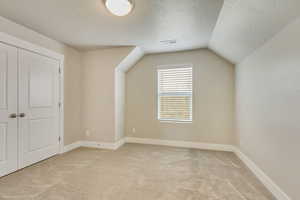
22, 115
13, 116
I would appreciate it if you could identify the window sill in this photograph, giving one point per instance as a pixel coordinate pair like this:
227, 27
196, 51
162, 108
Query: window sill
175, 122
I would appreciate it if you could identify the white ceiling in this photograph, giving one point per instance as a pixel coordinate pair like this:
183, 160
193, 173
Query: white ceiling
87, 24
234, 30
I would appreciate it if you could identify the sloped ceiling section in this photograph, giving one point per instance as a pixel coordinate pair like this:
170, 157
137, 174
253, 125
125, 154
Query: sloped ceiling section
245, 25
133, 57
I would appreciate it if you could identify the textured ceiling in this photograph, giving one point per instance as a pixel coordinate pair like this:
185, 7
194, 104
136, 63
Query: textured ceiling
233, 29
87, 24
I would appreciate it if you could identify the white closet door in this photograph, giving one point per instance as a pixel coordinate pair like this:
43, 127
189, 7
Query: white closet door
8, 109
38, 107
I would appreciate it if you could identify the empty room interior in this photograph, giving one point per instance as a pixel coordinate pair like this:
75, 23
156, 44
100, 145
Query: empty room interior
150, 100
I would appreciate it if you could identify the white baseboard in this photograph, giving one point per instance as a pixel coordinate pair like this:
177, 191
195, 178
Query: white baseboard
97, 145
119, 144
172, 143
71, 147
103, 145
264, 178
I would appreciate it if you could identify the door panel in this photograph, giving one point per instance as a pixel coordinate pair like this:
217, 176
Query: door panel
8, 106
38, 99
3, 79
3, 145
41, 96
40, 133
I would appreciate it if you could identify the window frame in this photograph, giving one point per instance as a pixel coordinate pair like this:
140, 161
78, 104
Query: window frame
174, 66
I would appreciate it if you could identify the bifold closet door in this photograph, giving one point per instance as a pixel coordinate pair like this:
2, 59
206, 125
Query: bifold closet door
38, 107
8, 109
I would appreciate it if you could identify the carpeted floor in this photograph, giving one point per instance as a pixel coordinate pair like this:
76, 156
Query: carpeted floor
135, 172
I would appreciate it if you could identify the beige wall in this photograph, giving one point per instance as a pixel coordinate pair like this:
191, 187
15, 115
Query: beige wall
72, 74
213, 99
73, 93
98, 99
268, 108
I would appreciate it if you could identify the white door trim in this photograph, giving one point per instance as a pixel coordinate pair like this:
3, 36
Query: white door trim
22, 44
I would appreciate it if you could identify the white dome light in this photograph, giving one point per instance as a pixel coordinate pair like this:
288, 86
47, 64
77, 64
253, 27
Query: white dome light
119, 7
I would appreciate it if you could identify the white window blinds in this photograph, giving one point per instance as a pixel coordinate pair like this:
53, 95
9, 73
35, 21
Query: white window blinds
175, 92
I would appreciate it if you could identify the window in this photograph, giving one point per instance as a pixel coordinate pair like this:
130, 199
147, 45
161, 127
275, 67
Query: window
175, 92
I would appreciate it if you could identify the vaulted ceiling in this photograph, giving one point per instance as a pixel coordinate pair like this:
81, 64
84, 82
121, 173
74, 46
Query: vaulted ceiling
234, 28
245, 25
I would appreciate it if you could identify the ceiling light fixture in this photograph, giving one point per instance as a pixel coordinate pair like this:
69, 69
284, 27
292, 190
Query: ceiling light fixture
119, 7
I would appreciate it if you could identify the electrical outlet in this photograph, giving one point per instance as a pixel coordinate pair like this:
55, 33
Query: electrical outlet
87, 132
133, 130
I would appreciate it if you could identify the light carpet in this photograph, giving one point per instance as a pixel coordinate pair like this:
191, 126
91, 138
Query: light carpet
136, 172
